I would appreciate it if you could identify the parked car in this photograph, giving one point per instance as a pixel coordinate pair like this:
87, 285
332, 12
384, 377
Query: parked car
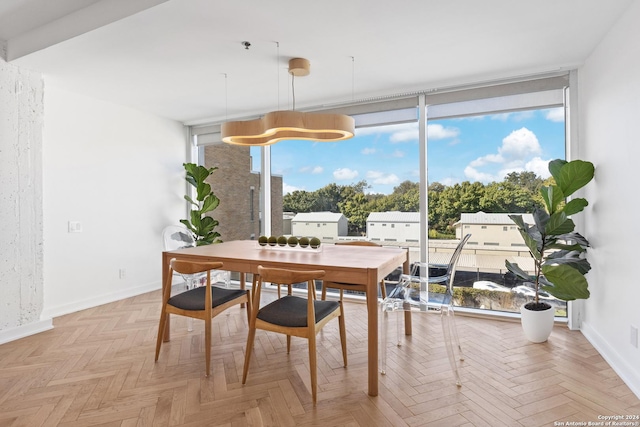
530, 292
490, 286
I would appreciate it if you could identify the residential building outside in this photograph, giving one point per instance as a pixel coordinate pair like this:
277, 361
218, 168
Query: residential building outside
491, 229
393, 226
325, 225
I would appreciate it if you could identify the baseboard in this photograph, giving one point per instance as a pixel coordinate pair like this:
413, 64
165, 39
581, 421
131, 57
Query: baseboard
624, 370
74, 306
23, 331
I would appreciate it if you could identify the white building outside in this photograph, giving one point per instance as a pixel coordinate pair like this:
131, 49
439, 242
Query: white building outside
491, 229
393, 226
325, 225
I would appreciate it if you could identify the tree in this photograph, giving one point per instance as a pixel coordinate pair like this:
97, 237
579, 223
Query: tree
507, 197
298, 201
527, 180
356, 210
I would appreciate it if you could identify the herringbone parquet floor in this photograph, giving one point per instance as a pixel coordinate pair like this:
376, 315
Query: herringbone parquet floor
96, 368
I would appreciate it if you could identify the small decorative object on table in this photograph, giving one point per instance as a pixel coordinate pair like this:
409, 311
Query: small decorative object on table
309, 244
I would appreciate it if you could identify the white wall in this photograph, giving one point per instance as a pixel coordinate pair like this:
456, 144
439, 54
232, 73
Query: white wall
117, 171
21, 253
609, 84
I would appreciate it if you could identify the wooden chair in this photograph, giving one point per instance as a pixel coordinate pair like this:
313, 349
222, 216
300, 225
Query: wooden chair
351, 287
294, 316
201, 302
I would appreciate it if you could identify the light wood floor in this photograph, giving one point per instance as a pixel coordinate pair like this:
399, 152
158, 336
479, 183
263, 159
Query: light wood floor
96, 368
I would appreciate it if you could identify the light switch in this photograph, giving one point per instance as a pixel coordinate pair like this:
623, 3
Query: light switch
75, 227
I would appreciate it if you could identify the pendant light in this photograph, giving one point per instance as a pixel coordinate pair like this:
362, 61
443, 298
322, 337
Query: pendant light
280, 125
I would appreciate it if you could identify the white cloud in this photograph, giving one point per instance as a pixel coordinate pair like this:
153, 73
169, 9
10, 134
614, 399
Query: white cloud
555, 114
315, 170
517, 116
539, 166
407, 132
485, 160
403, 132
474, 175
286, 188
449, 181
438, 131
520, 151
381, 178
368, 150
343, 174
520, 144
404, 136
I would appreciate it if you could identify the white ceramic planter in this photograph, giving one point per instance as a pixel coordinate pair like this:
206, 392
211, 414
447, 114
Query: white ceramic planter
537, 325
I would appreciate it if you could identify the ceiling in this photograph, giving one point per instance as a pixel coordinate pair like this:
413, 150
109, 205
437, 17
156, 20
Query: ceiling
184, 59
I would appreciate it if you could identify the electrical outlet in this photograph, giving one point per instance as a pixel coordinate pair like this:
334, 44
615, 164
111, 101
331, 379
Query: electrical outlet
634, 336
123, 273
75, 227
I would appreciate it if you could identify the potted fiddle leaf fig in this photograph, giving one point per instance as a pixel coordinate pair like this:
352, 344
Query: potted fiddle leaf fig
201, 225
558, 251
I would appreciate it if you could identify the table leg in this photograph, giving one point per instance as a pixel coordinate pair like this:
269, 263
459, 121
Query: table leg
242, 285
372, 315
165, 274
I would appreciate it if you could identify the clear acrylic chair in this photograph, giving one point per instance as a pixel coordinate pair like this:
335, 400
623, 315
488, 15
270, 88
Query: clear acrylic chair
412, 294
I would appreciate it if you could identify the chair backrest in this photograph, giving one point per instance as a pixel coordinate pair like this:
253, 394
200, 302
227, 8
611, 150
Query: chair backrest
177, 237
193, 267
283, 276
449, 274
453, 262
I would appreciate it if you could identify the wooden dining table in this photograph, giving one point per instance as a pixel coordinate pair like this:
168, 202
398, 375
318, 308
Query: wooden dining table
342, 263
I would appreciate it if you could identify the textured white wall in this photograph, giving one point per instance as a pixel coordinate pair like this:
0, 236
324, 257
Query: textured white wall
117, 171
21, 253
609, 95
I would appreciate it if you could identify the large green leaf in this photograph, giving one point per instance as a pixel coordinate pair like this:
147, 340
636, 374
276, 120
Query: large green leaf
559, 224
203, 189
210, 203
517, 219
196, 220
190, 200
573, 176
534, 244
581, 264
188, 225
575, 205
568, 283
552, 197
197, 172
541, 218
515, 269
555, 166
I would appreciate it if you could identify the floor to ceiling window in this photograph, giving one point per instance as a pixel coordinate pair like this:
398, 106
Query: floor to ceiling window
485, 157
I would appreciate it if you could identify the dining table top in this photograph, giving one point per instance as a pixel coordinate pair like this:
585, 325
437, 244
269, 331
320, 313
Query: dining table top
246, 255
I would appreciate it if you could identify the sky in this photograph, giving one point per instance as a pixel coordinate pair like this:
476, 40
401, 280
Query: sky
480, 148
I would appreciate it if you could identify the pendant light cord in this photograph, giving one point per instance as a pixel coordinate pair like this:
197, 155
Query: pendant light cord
353, 77
293, 91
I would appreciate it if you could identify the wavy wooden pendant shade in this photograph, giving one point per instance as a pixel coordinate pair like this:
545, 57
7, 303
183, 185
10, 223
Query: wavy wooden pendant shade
280, 125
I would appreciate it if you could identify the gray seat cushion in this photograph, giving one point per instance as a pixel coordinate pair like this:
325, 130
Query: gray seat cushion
291, 311
193, 299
